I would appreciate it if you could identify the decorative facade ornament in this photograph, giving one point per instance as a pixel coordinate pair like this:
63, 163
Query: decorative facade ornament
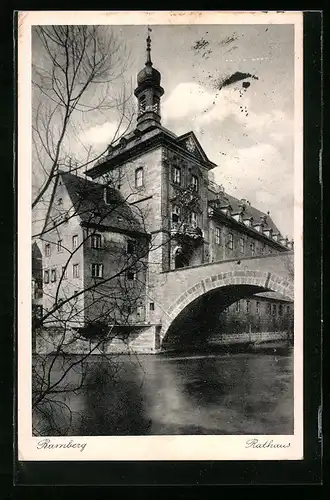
190, 145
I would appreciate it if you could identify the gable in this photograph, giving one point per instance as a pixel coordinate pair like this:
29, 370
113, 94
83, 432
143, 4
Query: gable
190, 142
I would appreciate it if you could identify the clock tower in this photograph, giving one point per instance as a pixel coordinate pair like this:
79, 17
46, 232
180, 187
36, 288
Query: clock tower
148, 93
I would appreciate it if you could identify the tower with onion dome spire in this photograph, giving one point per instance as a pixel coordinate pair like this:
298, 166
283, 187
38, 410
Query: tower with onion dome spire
148, 93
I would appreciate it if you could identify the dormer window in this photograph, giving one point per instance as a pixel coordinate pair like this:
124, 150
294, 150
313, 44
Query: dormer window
258, 227
177, 175
268, 232
194, 183
242, 204
248, 222
139, 177
107, 196
123, 142
237, 216
226, 210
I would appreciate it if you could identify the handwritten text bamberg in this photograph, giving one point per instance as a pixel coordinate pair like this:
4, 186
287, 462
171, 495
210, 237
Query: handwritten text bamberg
46, 444
255, 443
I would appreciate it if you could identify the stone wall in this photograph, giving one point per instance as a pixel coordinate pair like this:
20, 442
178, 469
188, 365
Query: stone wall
141, 339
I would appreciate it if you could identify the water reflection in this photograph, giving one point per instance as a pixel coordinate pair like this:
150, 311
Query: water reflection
223, 393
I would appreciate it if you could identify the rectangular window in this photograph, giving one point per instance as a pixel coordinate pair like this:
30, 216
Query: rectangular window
152, 306
218, 235
64, 273
177, 175
47, 250
274, 309
247, 306
131, 275
74, 242
75, 270
96, 241
280, 310
130, 247
194, 183
288, 309
269, 308
60, 201
253, 248
241, 245
176, 212
193, 219
97, 270
230, 241
53, 275
238, 306
59, 246
46, 276
139, 177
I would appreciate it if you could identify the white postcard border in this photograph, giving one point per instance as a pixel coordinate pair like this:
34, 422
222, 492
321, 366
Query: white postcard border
215, 447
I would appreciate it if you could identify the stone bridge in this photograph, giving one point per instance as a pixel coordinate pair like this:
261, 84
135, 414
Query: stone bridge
182, 288
190, 299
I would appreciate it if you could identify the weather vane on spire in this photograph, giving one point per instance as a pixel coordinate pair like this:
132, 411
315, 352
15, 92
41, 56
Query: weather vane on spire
149, 47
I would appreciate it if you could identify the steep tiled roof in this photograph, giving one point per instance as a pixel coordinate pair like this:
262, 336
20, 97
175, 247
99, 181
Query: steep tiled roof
88, 202
273, 296
249, 210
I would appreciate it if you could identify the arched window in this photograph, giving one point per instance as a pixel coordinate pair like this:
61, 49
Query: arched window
155, 105
139, 177
180, 259
142, 104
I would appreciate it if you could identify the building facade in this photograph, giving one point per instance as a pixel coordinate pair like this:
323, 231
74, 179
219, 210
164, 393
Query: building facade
149, 206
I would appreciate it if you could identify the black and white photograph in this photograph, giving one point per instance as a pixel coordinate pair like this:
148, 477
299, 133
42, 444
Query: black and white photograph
160, 236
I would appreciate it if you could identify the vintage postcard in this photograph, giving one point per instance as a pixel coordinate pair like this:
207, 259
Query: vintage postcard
160, 224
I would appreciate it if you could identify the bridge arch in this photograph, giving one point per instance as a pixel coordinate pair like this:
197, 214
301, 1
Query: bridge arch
259, 281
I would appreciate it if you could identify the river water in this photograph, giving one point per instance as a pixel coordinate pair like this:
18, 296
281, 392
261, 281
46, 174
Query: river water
183, 393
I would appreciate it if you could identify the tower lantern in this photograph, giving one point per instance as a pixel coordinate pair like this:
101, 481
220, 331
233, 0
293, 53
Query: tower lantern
148, 93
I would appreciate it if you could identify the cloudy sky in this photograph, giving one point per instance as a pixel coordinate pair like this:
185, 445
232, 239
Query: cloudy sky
247, 132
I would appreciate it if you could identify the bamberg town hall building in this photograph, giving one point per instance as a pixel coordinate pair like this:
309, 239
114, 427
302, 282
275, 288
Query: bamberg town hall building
148, 208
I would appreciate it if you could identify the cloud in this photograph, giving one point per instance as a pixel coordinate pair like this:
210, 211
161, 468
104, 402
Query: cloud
203, 107
262, 175
101, 134
194, 101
